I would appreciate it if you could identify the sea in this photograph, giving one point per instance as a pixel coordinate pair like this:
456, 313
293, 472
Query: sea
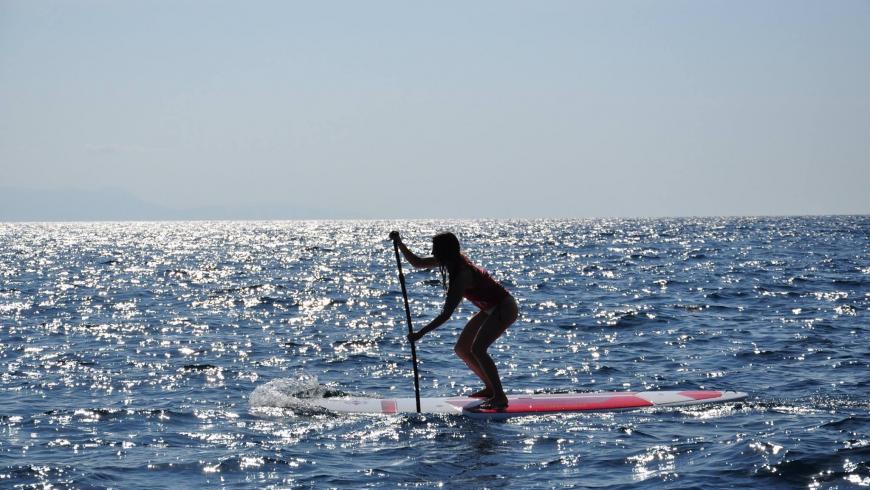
167, 355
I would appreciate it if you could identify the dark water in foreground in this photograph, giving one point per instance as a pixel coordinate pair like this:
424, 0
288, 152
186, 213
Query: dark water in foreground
129, 353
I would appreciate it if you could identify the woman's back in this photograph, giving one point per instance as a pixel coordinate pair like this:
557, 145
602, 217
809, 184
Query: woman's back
484, 291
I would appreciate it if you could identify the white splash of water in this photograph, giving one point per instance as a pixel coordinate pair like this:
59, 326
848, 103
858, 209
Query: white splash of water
287, 392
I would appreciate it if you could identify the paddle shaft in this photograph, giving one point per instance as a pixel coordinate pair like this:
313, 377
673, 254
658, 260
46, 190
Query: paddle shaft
410, 327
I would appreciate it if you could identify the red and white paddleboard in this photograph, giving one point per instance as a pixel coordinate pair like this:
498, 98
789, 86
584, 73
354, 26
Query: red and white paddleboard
529, 404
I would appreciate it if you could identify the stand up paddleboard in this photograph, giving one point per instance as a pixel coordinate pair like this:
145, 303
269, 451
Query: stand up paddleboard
529, 404
517, 404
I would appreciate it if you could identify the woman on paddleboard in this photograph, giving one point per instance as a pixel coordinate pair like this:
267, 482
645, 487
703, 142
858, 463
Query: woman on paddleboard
498, 310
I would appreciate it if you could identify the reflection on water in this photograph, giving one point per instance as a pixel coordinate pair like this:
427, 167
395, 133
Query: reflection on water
181, 354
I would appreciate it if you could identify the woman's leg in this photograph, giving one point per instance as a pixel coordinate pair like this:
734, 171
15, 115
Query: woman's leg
495, 325
463, 349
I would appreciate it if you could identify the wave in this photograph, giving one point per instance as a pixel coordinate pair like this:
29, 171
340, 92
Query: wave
290, 392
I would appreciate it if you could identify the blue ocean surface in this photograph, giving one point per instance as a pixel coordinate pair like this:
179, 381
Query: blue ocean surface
181, 354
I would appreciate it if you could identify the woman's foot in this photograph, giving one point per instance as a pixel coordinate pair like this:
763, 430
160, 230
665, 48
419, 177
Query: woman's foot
493, 404
484, 393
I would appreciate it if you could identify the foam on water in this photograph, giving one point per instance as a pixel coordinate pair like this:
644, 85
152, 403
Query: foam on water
287, 392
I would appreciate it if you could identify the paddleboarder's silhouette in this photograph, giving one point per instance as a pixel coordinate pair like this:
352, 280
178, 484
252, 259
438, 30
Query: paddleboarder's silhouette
498, 310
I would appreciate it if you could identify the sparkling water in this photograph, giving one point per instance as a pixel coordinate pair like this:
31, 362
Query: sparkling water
181, 354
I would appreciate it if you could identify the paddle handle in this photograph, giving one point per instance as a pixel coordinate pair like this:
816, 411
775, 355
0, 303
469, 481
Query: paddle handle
410, 327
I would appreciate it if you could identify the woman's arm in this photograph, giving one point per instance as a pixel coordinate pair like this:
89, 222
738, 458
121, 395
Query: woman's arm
411, 257
454, 297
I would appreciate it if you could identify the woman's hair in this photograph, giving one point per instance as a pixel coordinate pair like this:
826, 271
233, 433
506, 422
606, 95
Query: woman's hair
445, 248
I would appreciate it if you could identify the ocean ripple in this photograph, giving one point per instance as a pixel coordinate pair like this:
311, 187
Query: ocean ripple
183, 354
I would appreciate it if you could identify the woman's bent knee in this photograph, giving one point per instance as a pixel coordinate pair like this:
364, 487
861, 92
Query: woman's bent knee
478, 349
462, 350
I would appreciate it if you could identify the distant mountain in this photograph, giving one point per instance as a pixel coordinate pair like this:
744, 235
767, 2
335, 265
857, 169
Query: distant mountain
19, 204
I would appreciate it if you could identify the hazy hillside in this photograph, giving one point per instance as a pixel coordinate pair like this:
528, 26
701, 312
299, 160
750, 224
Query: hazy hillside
19, 204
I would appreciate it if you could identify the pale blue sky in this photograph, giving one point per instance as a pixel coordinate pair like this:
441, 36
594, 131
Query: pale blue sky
441, 109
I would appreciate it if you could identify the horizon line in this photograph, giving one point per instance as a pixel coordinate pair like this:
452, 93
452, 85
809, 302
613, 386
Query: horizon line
563, 218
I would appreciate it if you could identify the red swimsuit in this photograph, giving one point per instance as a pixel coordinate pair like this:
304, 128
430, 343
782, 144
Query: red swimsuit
487, 293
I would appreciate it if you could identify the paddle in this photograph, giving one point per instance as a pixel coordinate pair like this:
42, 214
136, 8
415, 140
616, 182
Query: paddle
410, 328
